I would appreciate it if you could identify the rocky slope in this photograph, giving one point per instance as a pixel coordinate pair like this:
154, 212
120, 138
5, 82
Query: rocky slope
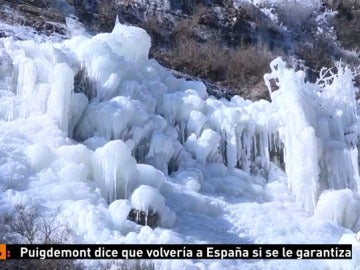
346, 22
44, 17
228, 46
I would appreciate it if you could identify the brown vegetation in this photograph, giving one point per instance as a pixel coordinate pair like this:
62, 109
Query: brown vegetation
31, 227
236, 68
197, 52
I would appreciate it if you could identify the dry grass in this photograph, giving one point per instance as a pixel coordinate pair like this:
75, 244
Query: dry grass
317, 54
235, 68
239, 68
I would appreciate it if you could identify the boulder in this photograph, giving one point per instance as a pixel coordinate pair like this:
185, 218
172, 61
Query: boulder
150, 219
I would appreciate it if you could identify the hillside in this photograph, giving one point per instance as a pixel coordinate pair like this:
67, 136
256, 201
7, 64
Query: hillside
222, 122
228, 45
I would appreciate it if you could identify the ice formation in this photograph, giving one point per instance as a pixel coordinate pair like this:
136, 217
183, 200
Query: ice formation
146, 198
341, 206
119, 211
114, 170
319, 129
94, 126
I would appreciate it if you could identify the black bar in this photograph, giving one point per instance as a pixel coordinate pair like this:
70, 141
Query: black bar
208, 251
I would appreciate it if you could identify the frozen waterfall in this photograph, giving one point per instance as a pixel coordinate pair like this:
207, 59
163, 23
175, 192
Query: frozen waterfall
94, 126
173, 124
319, 129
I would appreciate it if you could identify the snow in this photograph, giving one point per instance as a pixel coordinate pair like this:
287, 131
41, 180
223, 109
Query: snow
119, 211
310, 3
341, 207
39, 156
150, 176
94, 128
191, 178
146, 198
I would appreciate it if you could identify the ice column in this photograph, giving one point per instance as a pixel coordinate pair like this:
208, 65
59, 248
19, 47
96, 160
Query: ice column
318, 129
60, 96
114, 170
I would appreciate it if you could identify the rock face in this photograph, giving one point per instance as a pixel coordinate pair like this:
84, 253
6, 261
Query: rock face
346, 22
227, 47
183, 30
41, 15
146, 219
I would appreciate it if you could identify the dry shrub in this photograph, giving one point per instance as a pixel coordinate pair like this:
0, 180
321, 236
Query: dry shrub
317, 54
249, 62
205, 60
187, 27
128, 265
198, 48
236, 68
29, 226
297, 16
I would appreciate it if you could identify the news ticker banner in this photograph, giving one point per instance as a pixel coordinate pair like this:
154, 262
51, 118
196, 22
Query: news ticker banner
208, 251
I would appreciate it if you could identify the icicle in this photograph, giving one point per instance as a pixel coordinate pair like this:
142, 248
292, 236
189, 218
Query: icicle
60, 96
317, 153
117, 20
114, 169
